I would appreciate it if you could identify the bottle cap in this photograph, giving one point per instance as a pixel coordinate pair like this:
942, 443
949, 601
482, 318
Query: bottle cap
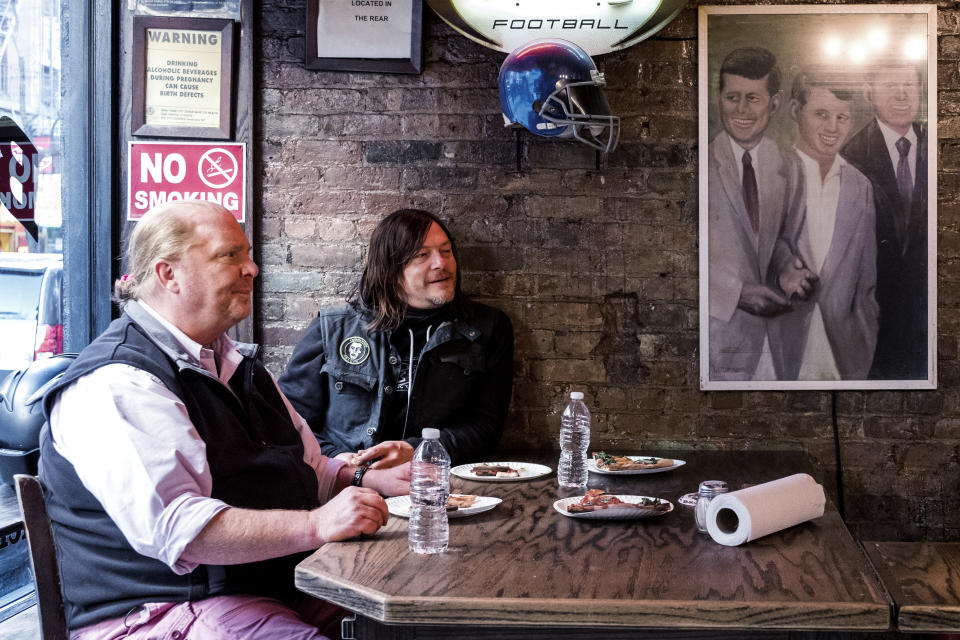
431, 434
710, 488
576, 395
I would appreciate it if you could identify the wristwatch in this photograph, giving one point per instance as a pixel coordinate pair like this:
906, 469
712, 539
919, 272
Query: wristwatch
358, 475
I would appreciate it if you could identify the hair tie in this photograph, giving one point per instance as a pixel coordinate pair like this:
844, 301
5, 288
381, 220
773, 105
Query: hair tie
124, 277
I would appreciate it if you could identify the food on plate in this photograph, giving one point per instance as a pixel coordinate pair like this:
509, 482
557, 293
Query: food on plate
495, 471
460, 502
608, 462
597, 499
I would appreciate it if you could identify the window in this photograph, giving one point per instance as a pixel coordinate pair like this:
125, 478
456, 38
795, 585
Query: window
4, 75
52, 266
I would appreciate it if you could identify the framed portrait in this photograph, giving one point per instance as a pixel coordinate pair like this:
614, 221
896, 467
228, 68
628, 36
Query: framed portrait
383, 36
182, 77
817, 194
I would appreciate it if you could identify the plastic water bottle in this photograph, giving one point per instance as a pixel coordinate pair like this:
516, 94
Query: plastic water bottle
429, 490
574, 441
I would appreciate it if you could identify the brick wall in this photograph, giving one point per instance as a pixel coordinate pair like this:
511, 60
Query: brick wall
596, 268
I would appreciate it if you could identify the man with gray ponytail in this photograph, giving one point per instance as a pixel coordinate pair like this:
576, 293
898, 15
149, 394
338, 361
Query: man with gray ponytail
182, 486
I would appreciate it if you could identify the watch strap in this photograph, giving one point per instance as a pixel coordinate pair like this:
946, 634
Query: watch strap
358, 475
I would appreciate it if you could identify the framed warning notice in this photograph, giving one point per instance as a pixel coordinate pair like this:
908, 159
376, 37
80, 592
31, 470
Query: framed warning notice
182, 77
159, 172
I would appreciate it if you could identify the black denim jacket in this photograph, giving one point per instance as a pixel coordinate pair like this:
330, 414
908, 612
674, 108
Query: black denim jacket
462, 383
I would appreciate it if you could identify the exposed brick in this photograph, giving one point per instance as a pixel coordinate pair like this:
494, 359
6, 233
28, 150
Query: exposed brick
290, 281
726, 401
289, 126
897, 428
572, 315
299, 228
923, 402
280, 334
443, 178
271, 309
268, 254
302, 309
563, 207
361, 178
334, 255
576, 343
324, 152
884, 402
401, 151
555, 369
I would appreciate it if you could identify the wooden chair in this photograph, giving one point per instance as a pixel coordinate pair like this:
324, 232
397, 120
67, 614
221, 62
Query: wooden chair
43, 558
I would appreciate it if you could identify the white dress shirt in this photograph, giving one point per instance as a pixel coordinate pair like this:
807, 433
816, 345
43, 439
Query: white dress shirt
823, 197
135, 449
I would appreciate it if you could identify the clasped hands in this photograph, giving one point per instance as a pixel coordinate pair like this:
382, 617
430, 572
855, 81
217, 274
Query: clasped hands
384, 455
794, 280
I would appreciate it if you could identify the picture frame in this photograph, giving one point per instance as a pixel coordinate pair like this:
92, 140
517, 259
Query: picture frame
182, 77
379, 36
817, 228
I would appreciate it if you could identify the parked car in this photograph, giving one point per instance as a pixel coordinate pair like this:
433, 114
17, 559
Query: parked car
31, 322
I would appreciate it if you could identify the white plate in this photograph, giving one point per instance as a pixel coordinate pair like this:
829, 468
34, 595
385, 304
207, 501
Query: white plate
400, 506
528, 471
612, 513
593, 468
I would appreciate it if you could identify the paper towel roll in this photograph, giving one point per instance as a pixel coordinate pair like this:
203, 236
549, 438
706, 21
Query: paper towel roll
748, 514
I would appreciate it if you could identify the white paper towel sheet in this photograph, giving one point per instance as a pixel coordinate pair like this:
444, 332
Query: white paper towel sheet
748, 514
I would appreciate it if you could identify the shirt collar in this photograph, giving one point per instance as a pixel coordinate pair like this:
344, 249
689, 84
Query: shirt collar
890, 137
811, 165
223, 346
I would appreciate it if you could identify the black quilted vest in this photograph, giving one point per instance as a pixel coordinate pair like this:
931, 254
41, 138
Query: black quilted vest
255, 456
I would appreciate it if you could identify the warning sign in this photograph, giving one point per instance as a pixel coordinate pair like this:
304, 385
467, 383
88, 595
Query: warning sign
160, 172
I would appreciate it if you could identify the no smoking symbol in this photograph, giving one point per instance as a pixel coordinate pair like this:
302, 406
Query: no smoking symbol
217, 168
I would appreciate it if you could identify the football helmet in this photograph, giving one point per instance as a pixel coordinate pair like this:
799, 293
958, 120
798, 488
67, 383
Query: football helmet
552, 88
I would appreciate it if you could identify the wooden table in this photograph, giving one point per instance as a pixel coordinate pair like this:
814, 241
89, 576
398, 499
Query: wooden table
525, 564
924, 582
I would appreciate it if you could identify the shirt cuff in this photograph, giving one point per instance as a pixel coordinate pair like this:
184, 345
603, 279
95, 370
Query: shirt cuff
180, 523
327, 478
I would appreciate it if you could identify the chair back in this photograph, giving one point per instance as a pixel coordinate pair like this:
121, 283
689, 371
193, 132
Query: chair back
43, 558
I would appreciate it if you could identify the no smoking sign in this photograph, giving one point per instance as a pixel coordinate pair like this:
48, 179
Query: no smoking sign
160, 172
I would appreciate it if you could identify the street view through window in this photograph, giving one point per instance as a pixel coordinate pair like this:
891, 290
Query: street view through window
31, 238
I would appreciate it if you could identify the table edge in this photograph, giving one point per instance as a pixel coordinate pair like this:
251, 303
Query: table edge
571, 612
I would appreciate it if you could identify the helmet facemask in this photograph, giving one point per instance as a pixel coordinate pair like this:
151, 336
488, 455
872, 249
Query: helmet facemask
583, 109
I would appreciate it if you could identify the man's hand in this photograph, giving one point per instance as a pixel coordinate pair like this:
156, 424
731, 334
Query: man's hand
384, 455
351, 512
761, 300
393, 481
346, 456
797, 280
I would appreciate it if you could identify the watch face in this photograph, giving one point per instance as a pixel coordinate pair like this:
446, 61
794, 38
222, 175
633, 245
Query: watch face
358, 474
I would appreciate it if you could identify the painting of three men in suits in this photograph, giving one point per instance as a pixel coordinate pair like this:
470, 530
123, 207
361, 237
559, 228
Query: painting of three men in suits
817, 224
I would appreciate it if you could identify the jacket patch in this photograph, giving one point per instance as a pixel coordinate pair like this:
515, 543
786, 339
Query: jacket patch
355, 350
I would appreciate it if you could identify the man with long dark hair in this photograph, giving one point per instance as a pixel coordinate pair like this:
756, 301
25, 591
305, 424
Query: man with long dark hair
408, 351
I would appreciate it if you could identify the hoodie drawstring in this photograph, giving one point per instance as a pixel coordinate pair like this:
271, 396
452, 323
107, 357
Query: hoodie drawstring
410, 363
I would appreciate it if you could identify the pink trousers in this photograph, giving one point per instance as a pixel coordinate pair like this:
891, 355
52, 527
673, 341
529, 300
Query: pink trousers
233, 617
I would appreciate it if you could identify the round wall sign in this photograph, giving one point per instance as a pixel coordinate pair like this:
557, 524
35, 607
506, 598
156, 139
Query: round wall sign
597, 26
